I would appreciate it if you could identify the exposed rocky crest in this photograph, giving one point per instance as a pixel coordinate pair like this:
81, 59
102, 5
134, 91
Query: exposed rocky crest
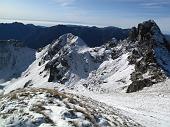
148, 42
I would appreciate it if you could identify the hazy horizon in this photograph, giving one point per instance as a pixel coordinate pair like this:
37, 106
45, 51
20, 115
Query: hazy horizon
118, 13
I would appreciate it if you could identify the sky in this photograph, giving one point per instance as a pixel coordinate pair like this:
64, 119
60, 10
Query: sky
120, 13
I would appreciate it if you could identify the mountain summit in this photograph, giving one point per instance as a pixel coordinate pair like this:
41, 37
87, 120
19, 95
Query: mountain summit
150, 55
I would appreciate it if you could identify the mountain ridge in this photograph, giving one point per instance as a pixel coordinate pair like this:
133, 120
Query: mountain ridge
68, 60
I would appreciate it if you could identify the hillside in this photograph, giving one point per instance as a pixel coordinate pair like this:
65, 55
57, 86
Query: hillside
50, 108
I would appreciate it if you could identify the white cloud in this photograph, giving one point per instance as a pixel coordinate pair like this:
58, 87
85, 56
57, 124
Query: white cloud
155, 4
64, 2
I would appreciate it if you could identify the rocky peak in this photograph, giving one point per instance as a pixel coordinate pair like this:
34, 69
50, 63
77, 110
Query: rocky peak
144, 31
148, 55
66, 56
69, 39
65, 42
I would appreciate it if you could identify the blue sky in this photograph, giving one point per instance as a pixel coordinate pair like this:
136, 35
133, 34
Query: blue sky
121, 13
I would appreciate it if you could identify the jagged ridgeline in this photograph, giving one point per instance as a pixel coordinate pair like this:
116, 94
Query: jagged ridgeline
147, 48
150, 56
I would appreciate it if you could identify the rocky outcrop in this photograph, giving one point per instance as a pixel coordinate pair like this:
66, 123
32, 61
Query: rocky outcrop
148, 71
139, 85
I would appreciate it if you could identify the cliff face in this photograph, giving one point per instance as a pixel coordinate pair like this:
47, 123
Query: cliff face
14, 59
5, 53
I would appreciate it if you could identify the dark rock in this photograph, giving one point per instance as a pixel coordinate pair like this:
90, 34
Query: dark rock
134, 56
136, 76
114, 54
131, 60
64, 62
133, 34
27, 83
141, 66
139, 85
51, 77
144, 30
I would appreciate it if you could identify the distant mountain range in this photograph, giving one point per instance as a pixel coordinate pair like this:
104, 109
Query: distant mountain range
38, 36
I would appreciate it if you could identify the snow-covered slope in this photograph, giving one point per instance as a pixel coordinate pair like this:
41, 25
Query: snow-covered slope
149, 107
50, 108
130, 65
69, 63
